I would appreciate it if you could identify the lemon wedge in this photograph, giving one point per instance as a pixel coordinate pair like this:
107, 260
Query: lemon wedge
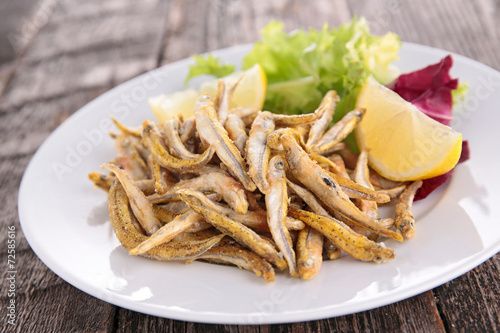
251, 91
403, 143
166, 106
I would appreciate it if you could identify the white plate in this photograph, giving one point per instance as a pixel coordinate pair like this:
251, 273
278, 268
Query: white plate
66, 223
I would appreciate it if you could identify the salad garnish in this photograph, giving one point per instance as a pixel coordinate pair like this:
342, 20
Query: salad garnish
221, 180
434, 92
303, 65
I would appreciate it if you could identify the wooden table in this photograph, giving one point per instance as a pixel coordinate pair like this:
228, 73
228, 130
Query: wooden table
57, 55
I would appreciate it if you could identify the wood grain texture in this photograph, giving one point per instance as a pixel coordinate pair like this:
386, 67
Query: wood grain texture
64, 68
479, 313
424, 318
83, 49
223, 23
111, 48
464, 27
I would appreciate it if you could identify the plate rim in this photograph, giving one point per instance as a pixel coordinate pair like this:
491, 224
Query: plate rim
213, 317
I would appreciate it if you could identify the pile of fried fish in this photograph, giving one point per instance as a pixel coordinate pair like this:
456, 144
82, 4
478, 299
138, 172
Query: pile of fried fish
254, 189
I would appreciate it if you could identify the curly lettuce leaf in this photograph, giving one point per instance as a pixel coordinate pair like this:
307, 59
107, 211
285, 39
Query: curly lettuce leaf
208, 65
303, 65
459, 93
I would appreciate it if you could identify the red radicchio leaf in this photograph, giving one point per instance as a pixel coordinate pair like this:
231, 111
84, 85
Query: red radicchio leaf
429, 89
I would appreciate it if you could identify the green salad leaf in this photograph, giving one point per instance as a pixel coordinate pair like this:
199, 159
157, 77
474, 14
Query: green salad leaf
459, 93
303, 65
208, 65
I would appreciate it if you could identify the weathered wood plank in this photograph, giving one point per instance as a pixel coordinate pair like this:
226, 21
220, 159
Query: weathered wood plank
11, 171
6, 72
88, 47
183, 34
17, 28
300, 15
197, 27
114, 24
64, 68
26, 127
417, 314
472, 301
59, 308
85, 58
44, 302
464, 27
20, 24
